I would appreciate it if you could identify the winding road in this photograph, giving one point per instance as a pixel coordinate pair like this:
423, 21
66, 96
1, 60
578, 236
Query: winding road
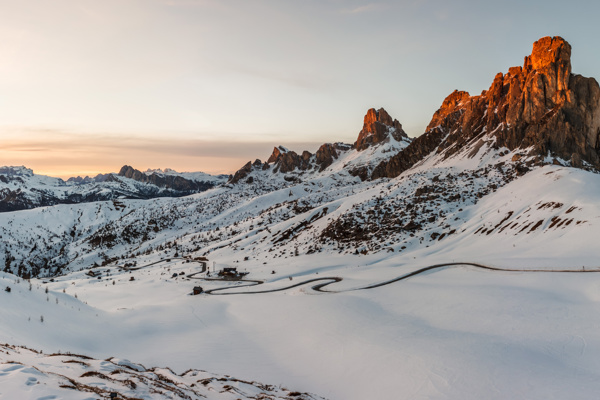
326, 281
135, 268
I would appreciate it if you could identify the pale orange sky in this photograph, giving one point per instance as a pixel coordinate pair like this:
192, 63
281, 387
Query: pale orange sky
64, 155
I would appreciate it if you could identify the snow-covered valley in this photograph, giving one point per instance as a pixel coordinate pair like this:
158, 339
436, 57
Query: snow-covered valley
457, 332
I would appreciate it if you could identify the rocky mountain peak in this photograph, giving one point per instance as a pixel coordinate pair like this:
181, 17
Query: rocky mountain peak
550, 52
451, 104
277, 154
12, 171
377, 127
129, 172
541, 107
286, 160
549, 62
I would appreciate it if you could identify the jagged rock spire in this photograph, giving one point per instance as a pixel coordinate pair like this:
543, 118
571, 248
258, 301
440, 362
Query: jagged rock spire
377, 127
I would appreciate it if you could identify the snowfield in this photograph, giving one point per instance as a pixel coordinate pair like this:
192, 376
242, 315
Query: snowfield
458, 332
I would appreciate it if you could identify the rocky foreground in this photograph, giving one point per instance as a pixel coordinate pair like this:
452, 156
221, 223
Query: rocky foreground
25, 372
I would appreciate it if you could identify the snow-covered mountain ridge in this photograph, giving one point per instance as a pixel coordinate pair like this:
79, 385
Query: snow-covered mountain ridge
380, 138
21, 189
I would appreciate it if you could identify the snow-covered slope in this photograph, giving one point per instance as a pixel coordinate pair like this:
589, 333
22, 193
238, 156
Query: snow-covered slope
452, 332
303, 212
34, 314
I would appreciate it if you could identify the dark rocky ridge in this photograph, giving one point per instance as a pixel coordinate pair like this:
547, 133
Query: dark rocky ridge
542, 106
81, 181
329, 152
177, 183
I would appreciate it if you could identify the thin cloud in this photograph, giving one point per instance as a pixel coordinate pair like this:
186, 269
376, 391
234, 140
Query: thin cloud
185, 2
194, 3
133, 143
290, 78
365, 8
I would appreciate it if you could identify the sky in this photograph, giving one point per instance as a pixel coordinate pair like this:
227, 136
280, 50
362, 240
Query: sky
87, 86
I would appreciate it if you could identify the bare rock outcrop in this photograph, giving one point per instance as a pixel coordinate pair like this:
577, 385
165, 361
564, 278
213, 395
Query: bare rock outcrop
540, 106
276, 155
329, 152
282, 160
377, 127
246, 170
287, 160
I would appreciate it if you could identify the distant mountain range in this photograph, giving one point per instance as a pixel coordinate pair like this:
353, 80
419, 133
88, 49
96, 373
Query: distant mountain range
21, 189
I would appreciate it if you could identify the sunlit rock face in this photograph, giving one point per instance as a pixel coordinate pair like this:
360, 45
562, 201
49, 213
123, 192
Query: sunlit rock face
277, 153
378, 125
540, 106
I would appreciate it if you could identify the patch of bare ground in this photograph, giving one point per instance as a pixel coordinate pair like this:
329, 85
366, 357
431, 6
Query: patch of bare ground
550, 205
555, 220
537, 225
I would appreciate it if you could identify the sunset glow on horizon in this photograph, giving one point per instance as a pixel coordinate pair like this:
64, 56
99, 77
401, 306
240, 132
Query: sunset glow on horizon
66, 155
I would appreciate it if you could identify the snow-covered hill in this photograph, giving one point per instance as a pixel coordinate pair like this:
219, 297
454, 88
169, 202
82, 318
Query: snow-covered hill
31, 374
